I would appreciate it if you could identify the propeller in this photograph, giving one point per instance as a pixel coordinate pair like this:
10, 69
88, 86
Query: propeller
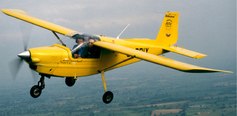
16, 64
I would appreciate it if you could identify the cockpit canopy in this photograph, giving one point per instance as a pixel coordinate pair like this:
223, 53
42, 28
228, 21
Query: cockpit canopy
86, 37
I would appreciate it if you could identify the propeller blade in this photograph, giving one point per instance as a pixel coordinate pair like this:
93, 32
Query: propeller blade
26, 32
34, 75
15, 66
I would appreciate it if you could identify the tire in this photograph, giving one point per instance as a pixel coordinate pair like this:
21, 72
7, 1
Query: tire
70, 81
35, 91
108, 97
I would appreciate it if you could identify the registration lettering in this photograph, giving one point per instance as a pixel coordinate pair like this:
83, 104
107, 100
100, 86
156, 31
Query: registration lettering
143, 49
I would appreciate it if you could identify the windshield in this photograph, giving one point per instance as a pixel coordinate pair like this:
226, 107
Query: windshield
86, 37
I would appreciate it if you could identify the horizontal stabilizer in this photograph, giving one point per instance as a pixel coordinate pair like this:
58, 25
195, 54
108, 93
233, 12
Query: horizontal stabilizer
185, 52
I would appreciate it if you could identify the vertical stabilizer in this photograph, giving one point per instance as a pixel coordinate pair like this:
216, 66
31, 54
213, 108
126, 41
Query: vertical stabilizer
168, 34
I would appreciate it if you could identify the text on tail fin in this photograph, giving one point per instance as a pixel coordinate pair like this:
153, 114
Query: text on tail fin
168, 34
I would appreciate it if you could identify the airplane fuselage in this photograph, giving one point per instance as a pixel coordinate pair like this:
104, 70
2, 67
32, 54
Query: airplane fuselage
57, 60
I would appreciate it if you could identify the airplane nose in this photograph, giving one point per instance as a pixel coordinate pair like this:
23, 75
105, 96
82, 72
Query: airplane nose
24, 55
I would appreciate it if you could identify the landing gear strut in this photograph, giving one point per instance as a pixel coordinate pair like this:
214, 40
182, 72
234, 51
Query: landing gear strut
108, 95
36, 90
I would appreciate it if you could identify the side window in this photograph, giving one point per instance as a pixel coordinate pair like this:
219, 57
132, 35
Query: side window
84, 47
90, 51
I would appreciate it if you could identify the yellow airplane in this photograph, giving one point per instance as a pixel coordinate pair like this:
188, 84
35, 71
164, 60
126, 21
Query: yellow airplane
57, 60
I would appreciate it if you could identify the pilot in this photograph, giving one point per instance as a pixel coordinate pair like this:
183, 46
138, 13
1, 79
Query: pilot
78, 53
90, 51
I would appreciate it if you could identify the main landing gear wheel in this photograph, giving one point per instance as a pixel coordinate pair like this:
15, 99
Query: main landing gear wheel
108, 97
36, 90
70, 81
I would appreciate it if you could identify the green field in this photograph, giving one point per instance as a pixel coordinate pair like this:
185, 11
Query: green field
176, 94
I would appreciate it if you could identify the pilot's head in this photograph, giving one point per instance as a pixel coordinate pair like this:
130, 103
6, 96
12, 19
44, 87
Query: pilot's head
79, 40
90, 42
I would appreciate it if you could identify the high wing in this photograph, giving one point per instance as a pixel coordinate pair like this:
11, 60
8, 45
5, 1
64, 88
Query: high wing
156, 59
19, 14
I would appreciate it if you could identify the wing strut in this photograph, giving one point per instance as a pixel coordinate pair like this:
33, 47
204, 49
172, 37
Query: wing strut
59, 39
108, 68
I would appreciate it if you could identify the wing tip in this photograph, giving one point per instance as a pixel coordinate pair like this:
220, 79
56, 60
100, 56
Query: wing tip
208, 71
8, 11
5, 11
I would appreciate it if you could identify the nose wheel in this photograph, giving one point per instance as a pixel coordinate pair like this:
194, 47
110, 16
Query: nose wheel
36, 90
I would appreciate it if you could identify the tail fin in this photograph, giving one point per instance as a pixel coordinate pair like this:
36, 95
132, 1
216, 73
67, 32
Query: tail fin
168, 34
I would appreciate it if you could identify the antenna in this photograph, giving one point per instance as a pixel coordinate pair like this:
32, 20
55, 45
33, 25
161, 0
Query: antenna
122, 31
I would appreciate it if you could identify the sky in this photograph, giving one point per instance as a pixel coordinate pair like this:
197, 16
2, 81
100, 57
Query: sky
206, 26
